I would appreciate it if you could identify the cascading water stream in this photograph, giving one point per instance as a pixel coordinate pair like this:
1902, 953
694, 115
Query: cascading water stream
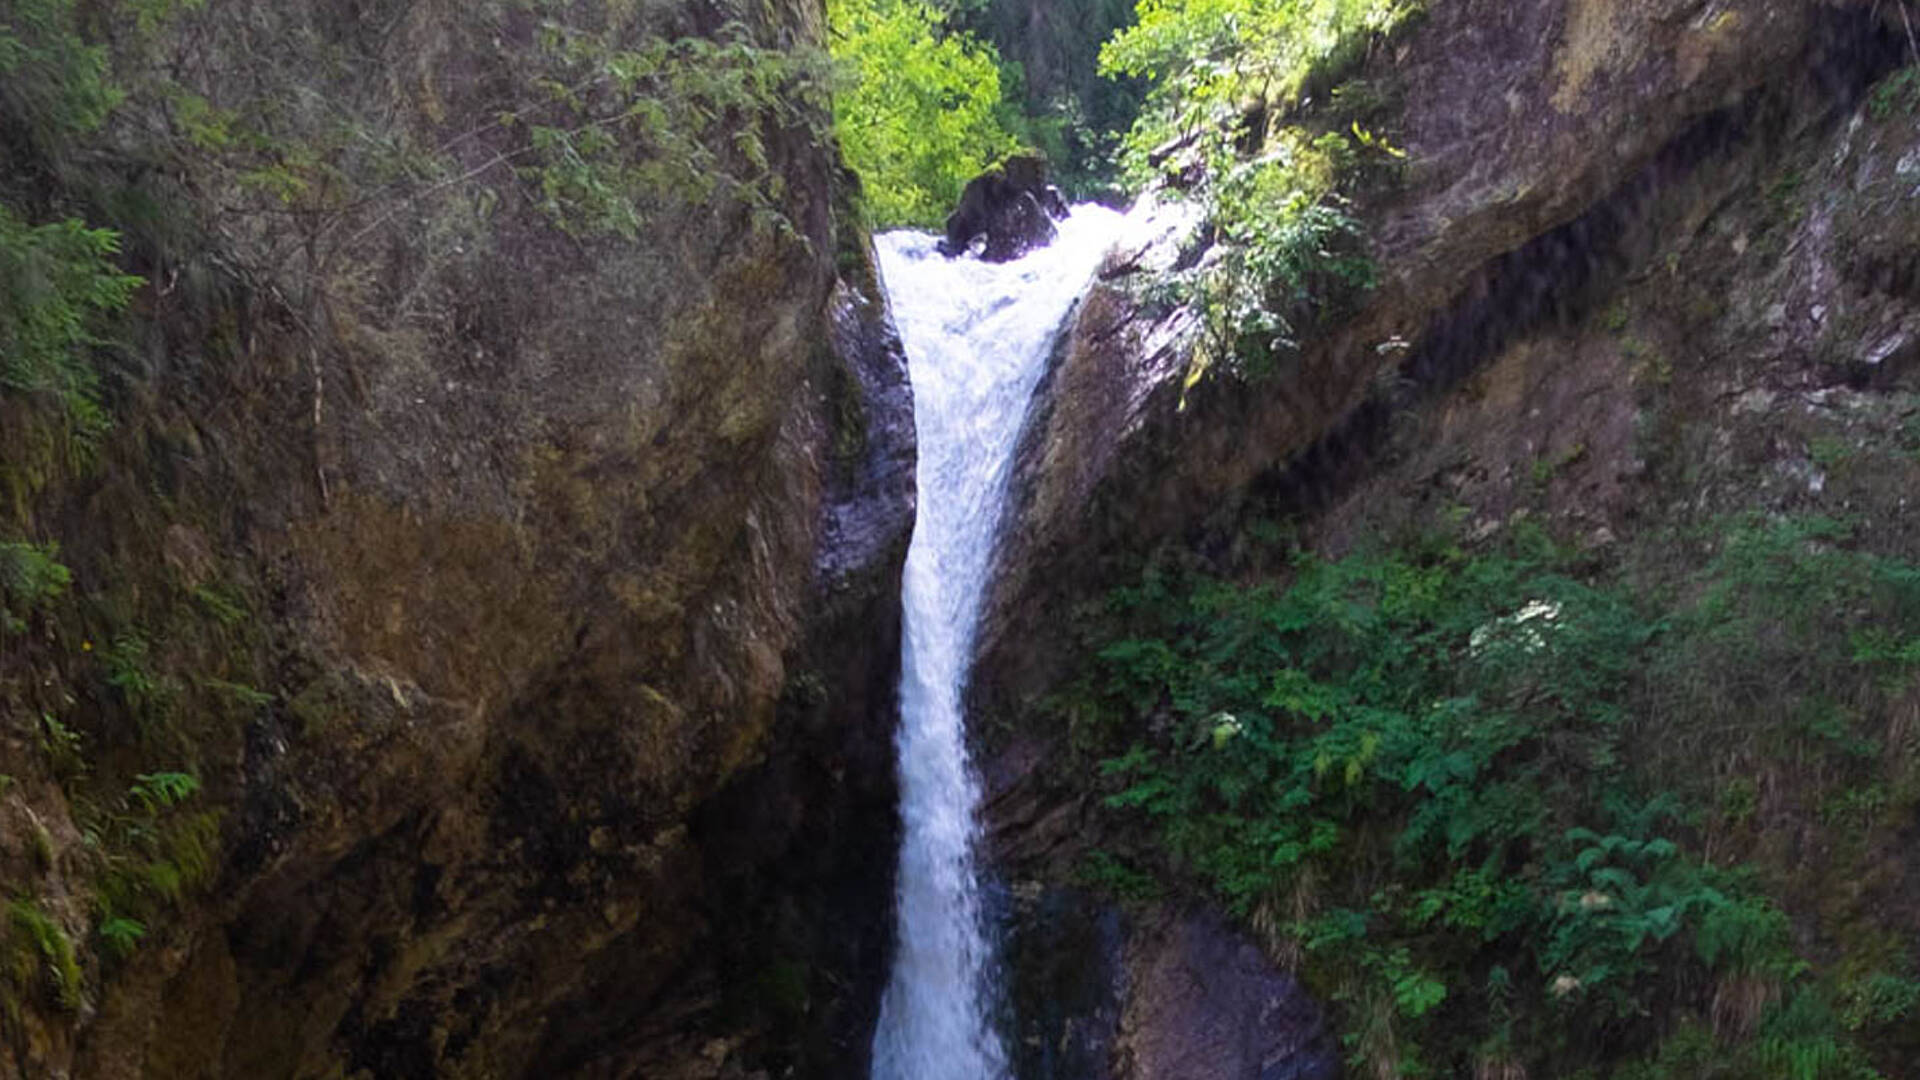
977, 337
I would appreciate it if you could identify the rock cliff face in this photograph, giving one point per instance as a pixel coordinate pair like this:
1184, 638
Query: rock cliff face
1534, 134
1592, 265
516, 571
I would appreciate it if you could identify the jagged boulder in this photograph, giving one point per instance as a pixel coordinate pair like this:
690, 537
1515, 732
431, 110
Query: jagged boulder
1011, 205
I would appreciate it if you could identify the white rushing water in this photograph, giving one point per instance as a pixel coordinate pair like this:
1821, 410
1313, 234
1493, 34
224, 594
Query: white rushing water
977, 337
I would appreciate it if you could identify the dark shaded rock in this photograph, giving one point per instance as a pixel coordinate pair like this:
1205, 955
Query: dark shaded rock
1205, 1004
1097, 995
801, 848
1011, 205
1065, 979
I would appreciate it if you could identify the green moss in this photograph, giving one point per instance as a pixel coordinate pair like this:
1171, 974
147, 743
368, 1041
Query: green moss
1895, 94
41, 944
42, 847
31, 578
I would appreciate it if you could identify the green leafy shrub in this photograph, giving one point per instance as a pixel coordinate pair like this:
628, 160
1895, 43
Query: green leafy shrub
917, 109
155, 792
52, 83
1211, 62
1288, 249
1794, 631
1289, 254
625, 134
151, 850
1113, 876
31, 577
58, 282
119, 936
1802, 1040
1441, 780
1878, 1000
65, 748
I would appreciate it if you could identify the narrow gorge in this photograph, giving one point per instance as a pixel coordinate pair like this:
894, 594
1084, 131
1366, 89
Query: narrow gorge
573, 539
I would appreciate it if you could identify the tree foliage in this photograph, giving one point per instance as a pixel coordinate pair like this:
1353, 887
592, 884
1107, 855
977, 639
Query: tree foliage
58, 281
1276, 184
1057, 101
917, 112
621, 132
53, 84
1210, 60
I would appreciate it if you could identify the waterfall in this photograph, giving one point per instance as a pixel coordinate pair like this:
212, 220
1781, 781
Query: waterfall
977, 337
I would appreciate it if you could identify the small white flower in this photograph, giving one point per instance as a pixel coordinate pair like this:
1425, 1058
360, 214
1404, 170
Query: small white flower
1528, 638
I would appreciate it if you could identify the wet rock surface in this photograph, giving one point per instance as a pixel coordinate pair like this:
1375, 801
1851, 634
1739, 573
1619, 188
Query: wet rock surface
1065, 981
1206, 1004
1148, 991
1157, 994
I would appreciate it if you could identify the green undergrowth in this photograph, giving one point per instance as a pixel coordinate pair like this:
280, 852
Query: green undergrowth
1465, 791
99, 702
61, 283
31, 578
